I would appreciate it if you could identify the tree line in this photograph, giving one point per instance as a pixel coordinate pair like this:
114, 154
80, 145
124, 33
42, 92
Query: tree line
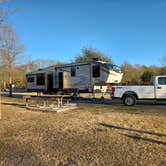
140, 74
12, 71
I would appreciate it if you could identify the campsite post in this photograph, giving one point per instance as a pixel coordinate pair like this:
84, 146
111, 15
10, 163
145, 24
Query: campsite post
0, 104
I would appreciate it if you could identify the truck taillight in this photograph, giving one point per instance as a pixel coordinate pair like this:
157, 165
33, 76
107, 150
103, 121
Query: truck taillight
113, 90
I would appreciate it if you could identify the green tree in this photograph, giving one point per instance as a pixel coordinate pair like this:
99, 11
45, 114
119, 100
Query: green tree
150, 71
89, 54
147, 77
163, 70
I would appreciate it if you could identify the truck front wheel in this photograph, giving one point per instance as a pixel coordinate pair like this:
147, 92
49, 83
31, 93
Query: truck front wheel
129, 100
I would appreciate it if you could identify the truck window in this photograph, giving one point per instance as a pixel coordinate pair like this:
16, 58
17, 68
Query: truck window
162, 80
73, 71
40, 79
30, 79
96, 71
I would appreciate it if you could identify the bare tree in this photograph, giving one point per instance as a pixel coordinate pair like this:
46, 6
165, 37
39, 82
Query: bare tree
3, 12
163, 61
10, 49
40, 63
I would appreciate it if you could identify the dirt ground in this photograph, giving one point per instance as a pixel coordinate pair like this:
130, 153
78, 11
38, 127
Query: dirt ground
92, 134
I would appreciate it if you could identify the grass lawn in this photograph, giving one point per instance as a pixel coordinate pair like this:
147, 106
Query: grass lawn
89, 135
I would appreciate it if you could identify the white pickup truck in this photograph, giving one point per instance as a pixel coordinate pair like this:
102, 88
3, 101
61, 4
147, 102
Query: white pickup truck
130, 94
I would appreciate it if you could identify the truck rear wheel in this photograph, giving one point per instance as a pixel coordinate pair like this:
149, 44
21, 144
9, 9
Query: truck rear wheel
129, 100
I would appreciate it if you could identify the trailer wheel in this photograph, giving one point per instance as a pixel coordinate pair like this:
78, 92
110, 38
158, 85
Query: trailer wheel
129, 100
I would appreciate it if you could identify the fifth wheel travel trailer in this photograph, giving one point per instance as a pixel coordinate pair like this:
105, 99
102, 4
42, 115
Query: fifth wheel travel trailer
80, 76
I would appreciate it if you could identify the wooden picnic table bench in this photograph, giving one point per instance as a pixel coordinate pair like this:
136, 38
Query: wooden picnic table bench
45, 98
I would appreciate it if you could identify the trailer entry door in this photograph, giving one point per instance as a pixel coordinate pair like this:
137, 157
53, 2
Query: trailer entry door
60, 80
50, 83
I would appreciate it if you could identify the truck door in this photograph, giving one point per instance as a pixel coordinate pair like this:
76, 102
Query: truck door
161, 88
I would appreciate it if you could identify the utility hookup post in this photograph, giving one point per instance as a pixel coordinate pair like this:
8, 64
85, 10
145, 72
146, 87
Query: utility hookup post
10, 90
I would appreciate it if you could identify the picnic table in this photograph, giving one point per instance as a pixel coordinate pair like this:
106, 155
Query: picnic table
45, 98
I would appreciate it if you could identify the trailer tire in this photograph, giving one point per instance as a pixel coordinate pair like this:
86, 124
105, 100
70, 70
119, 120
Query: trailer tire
129, 100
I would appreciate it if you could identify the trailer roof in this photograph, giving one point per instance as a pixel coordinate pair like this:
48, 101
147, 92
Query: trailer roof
67, 65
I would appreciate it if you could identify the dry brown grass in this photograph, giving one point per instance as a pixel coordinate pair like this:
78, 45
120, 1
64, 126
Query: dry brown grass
89, 135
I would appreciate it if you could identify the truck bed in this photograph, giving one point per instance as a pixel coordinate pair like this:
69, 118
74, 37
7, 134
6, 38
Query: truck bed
142, 91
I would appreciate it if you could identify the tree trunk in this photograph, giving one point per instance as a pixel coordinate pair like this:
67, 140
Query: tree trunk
10, 87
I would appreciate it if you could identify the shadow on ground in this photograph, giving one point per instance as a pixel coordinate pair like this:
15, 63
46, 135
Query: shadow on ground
14, 104
144, 139
116, 101
138, 131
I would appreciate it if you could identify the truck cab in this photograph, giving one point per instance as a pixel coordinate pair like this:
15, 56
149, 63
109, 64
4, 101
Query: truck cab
160, 87
130, 94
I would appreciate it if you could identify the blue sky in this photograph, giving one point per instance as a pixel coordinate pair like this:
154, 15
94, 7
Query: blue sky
127, 30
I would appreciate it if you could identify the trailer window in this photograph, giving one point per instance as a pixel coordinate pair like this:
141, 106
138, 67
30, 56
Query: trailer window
40, 79
113, 67
30, 79
96, 71
73, 71
162, 81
